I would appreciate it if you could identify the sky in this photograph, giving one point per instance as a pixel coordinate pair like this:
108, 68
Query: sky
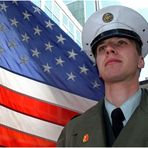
142, 7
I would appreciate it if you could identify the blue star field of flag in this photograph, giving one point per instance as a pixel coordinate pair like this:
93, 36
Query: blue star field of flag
32, 45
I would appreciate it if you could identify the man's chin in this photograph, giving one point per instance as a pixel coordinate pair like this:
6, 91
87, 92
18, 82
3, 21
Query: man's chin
112, 78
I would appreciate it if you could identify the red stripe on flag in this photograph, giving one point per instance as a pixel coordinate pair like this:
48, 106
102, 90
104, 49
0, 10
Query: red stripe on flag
35, 108
15, 138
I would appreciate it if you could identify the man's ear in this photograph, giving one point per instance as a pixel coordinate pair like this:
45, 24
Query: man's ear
141, 62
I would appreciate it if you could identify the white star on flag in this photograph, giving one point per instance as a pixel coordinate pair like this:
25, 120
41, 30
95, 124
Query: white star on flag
59, 61
26, 15
3, 7
36, 9
25, 37
24, 60
37, 30
35, 52
60, 39
71, 76
95, 84
49, 24
72, 54
47, 68
2, 27
14, 2
1, 50
14, 22
12, 44
48, 46
83, 69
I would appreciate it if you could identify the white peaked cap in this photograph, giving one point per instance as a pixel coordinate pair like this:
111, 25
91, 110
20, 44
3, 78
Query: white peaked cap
114, 21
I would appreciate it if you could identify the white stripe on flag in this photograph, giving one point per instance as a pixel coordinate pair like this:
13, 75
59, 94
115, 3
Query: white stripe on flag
29, 125
45, 92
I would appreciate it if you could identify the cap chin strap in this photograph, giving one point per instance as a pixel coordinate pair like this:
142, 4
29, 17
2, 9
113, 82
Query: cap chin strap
115, 33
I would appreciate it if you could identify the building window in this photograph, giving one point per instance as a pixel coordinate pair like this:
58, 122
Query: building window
90, 8
48, 4
37, 2
65, 21
78, 37
55, 19
56, 10
71, 27
48, 12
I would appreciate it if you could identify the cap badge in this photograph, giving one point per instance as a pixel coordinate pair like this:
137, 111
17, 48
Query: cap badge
107, 17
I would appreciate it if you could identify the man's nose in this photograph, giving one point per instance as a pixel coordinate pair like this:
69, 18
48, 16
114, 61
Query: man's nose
111, 49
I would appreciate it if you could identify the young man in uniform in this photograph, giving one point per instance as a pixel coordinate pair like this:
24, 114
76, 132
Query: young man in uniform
116, 38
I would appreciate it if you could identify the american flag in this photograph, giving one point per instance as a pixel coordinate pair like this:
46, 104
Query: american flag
45, 77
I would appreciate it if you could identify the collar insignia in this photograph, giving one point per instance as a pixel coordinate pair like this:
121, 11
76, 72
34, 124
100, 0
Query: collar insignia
85, 138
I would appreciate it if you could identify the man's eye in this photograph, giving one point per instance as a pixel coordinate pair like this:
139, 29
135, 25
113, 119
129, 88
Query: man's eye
101, 48
121, 42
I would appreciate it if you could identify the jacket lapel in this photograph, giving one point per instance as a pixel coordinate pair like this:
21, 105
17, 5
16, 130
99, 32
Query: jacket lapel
92, 133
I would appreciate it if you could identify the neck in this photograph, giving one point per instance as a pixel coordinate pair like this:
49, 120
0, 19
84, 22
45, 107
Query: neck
119, 92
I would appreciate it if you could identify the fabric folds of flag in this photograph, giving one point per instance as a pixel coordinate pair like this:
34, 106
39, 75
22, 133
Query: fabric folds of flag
45, 78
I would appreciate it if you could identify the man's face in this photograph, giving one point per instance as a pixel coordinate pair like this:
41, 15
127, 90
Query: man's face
118, 59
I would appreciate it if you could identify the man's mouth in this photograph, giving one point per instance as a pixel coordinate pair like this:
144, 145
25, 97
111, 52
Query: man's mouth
112, 61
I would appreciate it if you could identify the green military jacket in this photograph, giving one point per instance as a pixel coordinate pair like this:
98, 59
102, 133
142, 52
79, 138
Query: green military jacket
89, 130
